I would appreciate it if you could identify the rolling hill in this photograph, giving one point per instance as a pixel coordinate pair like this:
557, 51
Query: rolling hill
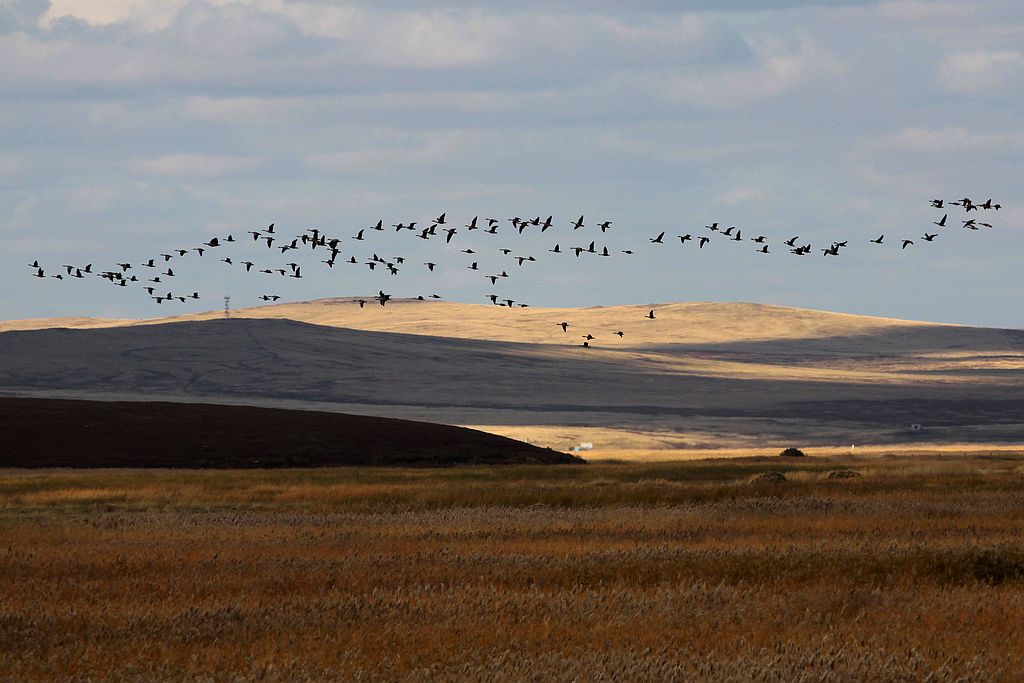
698, 376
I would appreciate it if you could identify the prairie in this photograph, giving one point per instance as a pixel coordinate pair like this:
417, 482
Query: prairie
610, 571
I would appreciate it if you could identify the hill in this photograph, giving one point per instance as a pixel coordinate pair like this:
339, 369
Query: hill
698, 376
63, 433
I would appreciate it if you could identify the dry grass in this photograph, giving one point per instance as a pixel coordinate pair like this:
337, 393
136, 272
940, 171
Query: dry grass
667, 571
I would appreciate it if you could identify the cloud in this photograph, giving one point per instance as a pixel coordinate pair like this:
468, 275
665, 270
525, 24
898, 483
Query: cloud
983, 72
773, 71
954, 140
194, 165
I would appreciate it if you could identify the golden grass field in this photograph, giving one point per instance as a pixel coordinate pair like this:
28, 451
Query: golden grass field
610, 571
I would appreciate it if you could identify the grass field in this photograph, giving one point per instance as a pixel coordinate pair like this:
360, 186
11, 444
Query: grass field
616, 571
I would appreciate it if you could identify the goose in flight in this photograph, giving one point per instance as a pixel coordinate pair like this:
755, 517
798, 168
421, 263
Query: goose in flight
578, 223
650, 315
759, 239
451, 233
658, 239
702, 241
604, 226
684, 238
556, 250
472, 224
620, 333
907, 243
937, 203
564, 326
439, 220
713, 227
589, 336
930, 238
879, 240
941, 223
791, 242
361, 302
214, 242
269, 297
382, 297
763, 249
430, 266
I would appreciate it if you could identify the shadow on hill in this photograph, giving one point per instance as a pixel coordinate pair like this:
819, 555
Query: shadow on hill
891, 342
61, 433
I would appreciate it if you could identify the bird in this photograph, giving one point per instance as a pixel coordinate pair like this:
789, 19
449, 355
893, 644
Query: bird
589, 336
382, 297
473, 266
578, 223
763, 249
657, 240
214, 242
270, 297
556, 250
941, 223
620, 333
472, 224
430, 266
439, 220
684, 238
564, 326
650, 315
907, 243
930, 238
451, 233
713, 227
879, 240
791, 242
604, 226
702, 241
379, 225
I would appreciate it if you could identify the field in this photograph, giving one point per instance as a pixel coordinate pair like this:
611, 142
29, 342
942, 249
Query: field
616, 571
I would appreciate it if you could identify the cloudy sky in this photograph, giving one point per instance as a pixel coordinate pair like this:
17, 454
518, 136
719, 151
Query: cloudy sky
132, 127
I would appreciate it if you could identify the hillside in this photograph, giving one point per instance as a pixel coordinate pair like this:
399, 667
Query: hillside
698, 376
61, 433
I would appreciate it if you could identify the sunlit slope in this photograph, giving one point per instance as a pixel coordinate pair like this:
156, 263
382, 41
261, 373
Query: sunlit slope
721, 325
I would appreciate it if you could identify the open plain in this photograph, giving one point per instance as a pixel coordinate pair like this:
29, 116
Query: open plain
707, 570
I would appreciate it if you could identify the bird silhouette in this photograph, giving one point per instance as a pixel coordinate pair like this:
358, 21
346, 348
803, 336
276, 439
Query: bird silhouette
657, 240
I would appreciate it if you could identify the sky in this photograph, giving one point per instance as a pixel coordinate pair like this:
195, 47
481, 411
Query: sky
132, 127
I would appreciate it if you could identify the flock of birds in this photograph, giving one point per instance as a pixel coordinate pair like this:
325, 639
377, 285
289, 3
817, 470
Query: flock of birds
154, 275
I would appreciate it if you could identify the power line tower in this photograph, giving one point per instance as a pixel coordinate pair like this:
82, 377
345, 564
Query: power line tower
227, 307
